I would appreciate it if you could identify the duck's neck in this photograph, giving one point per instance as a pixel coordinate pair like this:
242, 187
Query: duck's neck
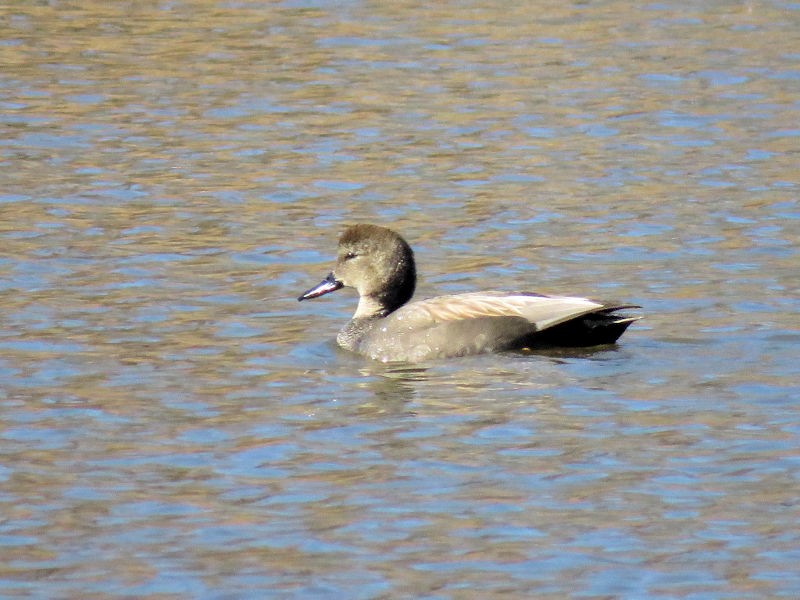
384, 303
370, 307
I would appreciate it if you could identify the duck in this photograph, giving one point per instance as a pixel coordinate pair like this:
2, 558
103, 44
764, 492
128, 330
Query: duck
387, 327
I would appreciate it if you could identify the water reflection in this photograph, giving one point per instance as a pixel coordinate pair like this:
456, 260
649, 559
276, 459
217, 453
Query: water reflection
392, 387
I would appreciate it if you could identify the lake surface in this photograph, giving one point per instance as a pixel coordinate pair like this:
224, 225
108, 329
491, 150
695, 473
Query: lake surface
173, 424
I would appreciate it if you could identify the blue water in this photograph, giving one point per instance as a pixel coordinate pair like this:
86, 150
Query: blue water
174, 424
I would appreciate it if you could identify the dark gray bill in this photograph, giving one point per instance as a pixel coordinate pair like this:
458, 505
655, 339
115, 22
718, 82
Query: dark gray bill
326, 286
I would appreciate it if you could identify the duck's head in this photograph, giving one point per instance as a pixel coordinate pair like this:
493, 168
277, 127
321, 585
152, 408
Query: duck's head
378, 263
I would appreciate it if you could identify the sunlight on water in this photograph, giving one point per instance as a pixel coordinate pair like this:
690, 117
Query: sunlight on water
174, 423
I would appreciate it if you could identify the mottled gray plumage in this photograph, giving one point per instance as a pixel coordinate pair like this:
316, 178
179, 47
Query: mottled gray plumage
380, 265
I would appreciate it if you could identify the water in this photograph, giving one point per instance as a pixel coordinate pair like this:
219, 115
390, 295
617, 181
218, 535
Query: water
175, 424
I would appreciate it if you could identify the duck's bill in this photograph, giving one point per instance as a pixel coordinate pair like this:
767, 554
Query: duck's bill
326, 286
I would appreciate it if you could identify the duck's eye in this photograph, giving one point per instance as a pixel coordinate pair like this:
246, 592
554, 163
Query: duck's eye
350, 256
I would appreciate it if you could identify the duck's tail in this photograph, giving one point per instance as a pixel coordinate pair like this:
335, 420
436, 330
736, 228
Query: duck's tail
603, 326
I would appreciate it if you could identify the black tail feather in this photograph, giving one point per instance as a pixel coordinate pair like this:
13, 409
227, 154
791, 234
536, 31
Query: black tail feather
594, 329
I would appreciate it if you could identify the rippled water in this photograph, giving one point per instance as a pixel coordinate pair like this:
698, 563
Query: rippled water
174, 424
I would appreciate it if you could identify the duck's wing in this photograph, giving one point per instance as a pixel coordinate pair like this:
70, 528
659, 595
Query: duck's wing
542, 312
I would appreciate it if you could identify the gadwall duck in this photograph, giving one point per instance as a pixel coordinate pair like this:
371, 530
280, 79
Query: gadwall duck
380, 265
